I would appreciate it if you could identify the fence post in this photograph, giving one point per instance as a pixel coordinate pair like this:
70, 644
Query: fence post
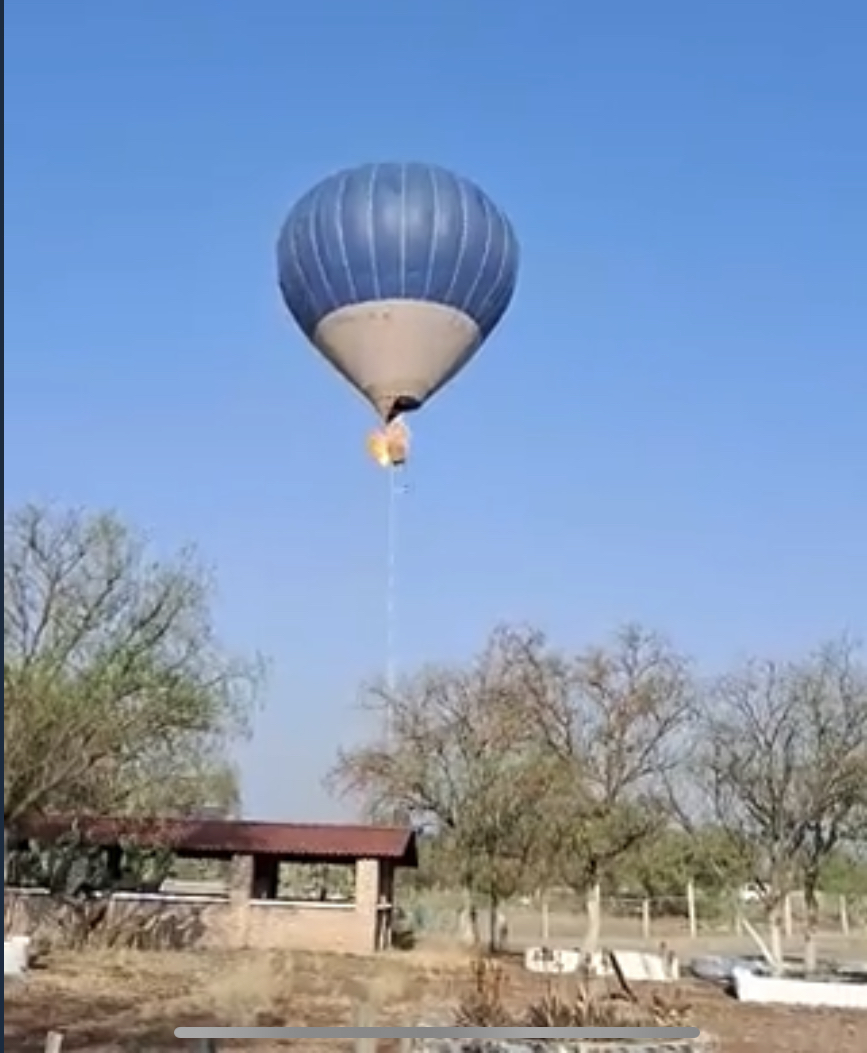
594, 919
690, 909
53, 1042
844, 916
645, 919
546, 921
788, 924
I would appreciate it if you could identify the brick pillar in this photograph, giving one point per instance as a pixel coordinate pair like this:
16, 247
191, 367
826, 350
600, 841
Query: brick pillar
367, 897
241, 880
240, 893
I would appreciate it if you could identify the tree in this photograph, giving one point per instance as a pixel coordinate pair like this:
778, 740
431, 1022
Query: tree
533, 765
459, 758
613, 717
783, 748
705, 856
118, 695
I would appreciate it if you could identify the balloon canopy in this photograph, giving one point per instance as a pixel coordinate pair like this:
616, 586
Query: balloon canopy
397, 273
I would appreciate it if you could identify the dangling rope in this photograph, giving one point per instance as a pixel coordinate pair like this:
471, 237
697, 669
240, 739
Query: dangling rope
394, 490
389, 447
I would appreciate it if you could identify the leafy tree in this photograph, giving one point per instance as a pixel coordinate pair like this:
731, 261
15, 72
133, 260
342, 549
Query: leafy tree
708, 857
118, 695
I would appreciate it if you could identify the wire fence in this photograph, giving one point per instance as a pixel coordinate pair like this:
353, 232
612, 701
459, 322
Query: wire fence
562, 918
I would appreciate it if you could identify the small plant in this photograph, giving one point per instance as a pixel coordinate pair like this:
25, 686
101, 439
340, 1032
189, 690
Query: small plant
551, 1011
484, 1006
592, 1004
583, 1001
403, 932
591, 1008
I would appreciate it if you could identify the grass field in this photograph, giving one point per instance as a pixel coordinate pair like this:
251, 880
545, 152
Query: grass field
132, 1001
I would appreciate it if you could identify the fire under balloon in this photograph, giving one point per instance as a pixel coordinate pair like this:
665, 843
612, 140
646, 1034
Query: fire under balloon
389, 445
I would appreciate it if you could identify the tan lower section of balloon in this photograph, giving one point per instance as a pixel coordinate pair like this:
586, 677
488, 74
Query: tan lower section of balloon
397, 351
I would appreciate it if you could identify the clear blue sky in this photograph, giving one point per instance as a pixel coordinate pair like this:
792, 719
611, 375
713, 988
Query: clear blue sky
670, 426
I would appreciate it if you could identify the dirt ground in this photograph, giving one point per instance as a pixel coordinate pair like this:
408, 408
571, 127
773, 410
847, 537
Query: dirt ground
132, 1001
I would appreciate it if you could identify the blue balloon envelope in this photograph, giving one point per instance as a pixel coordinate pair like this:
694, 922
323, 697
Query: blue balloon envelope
397, 274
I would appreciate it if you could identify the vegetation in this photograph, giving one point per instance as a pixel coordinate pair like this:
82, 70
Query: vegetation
619, 767
118, 696
95, 996
528, 768
578, 1001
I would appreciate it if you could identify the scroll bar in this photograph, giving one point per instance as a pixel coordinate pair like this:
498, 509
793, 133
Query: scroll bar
661, 1034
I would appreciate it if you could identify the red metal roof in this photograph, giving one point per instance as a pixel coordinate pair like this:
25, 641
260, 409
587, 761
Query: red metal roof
242, 837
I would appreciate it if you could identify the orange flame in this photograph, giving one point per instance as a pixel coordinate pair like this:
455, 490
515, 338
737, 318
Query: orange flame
389, 446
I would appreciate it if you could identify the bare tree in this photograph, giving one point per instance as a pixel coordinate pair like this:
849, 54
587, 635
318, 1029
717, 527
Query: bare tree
614, 717
117, 693
459, 758
785, 759
532, 765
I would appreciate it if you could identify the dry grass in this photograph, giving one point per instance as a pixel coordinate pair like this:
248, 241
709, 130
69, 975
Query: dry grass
576, 1001
127, 1000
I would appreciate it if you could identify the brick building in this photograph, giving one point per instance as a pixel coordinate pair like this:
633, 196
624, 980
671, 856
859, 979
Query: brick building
254, 909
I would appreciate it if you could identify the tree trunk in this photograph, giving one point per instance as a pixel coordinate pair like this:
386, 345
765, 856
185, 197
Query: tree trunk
811, 947
493, 923
594, 920
775, 921
468, 921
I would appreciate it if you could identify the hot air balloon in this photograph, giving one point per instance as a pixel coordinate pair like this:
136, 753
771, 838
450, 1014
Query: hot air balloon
397, 274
